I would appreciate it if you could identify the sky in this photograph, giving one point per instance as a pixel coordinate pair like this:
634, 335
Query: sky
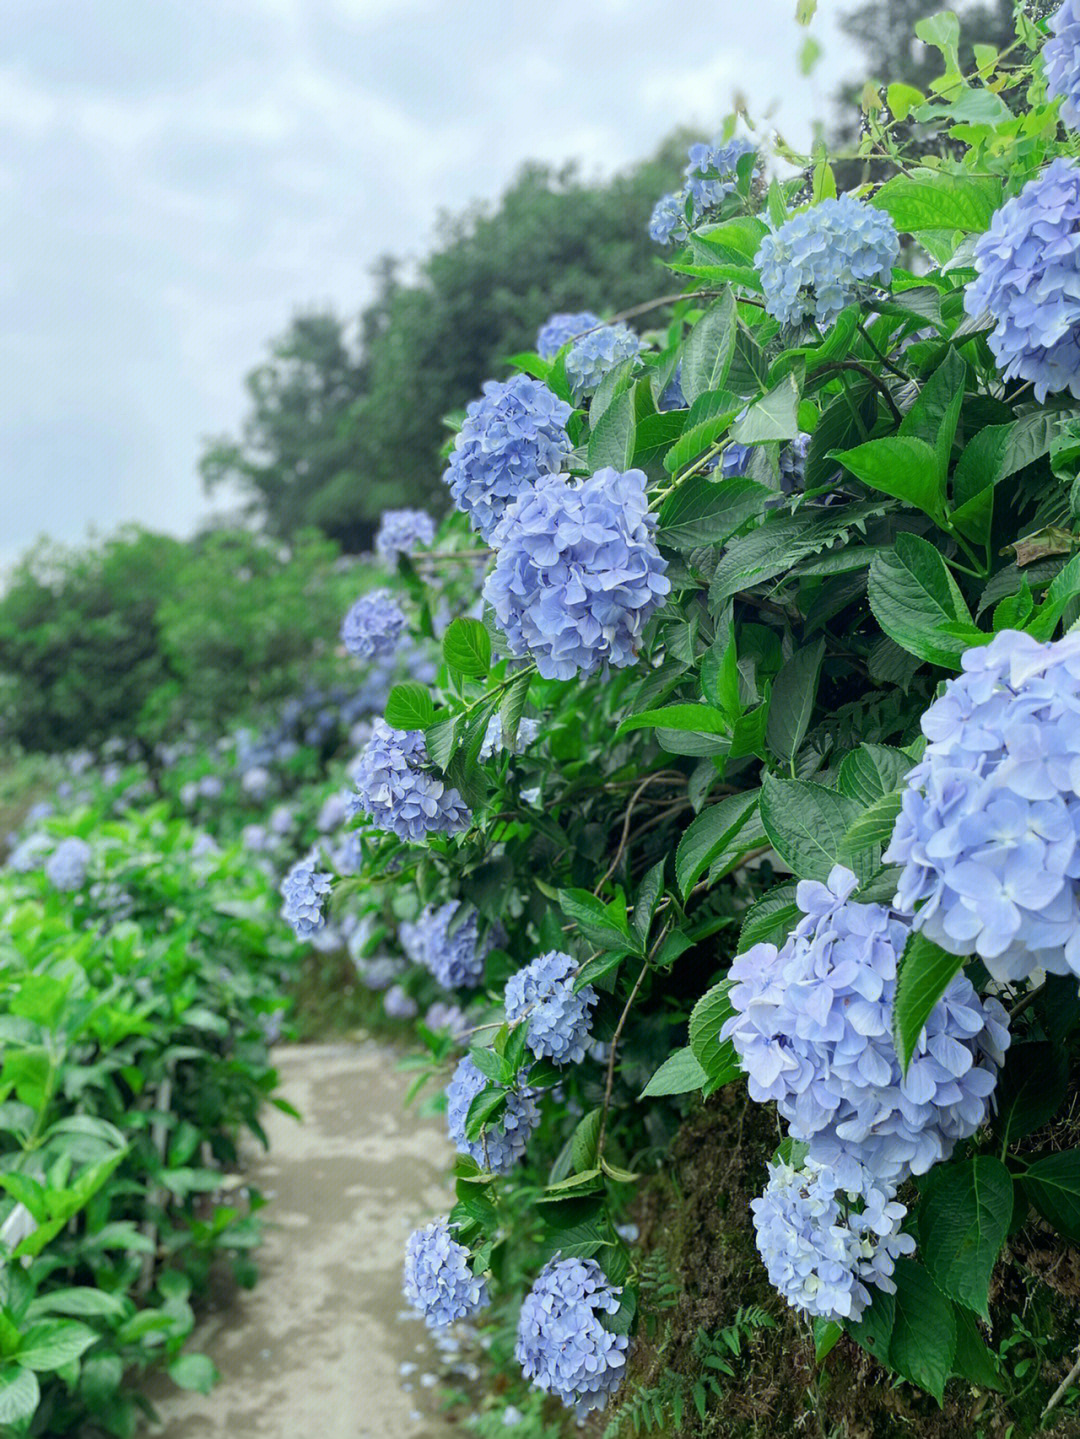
179, 177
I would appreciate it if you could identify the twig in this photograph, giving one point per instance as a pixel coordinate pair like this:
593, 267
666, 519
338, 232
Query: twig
875, 380
609, 1082
621, 850
1062, 1389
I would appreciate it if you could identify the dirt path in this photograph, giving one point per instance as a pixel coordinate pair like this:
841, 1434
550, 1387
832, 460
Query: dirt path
319, 1347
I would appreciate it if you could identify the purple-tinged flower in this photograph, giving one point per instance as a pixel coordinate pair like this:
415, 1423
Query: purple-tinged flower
558, 1019
668, 219
450, 1017
504, 1140
1029, 280
527, 731
595, 354
399, 1004
989, 830
1061, 57
672, 397
304, 890
448, 946
401, 532
813, 1030
824, 1247
562, 1345
438, 1279
712, 172
578, 573
397, 788
558, 330
67, 865
512, 437
826, 258
373, 625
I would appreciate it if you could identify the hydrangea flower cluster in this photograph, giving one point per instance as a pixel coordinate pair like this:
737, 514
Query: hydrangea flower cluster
511, 437
503, 1142
821, 1252
668, 218
396, 787
989, 829
595, 354
450, 1017
373, 625
672, 397
401, 531
813, 1030
527, 731
793, 463
558, 330
304, 889
711, 172
1029, 280
578, 573
452, 952
399, 1003
558, 1019
1061, 57
438, 1279
67, 865
562, 1345
824, 258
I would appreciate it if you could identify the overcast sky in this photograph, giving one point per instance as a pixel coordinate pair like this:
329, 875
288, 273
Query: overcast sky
177, 177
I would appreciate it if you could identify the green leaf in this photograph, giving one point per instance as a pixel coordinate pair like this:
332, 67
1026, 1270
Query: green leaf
925, 973
655, 435
774, 417
1031, 1088
709, 349
913, 594
874, 1330
963, 1222
923, 1342
872, 771
771, 919
694, 718
409, 706
613, 441
935, 200
805, 824
512, 707
792, 701
827, 1334
1063, 588
441, 739
485, 1108
586, 1140
53, 1343
901, 466
708, 835
871, 831
717, 1057
974, 1360
19, 1394
679, 1073
1053, 1186
935, 414
194, 1371
467, 647
708, 418
605, 925
703, 511
78, 1303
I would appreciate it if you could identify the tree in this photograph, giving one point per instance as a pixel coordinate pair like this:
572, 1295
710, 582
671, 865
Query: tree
340, 428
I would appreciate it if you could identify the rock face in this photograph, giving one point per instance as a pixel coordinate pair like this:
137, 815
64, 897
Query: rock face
319, 1346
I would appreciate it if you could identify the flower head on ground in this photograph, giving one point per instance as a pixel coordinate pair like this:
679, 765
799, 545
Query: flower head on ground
558, 330
373, 625
304, 890
825, 258
1029, 280
438, 1279
505, 1139
512, 437
562, 1345
558, 1019
397, 789
400, 532
595, 354
578, 574
989, 830
813, 1030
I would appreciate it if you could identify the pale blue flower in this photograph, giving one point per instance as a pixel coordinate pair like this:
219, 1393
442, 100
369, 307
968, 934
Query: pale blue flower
400, 532
398, 790
558, 1020
304, 890
668, 219
1061, 57
558, 330
712, 172
67, 865
373, 625
398, 1003
505, 1139
449, 947
825, 258
438, 1279
562, 1345
595, 354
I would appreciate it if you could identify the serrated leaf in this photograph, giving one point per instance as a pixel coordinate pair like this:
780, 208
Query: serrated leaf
792, 701
872, 771
442, 738
484, 1109
692, 718
703, 511
913, 595
936, 200
613, 441
806, 824
716, 1056
1053, 1186
512, 706
926, 971
901, 466
771, 919
679, 1073
781, 541
467, 647
585, 1141
708, 351
963, 1222
709, 834
409, 706
775, 417
923, 1342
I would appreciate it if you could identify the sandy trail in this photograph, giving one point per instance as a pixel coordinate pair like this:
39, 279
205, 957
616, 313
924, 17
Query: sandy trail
317, 1347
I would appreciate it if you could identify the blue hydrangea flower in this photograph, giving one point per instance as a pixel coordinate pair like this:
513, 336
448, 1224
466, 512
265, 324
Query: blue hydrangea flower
527, 731
672, 397
333, 812
511, 437
373, 625
304, 890
67, 865
29, 854
813, 1030
453, 952
595, 354
711, 173
558, 1019
578, 574
822, 1246
256, 781
558, 330
450, 1017
562, 1345
793, 463
378, 972
401, 531
1061, 56
210, 786
504, 1141
1029, 280
398, 1003
668, 219
989, 831
438, 1279
825, 258
397, 788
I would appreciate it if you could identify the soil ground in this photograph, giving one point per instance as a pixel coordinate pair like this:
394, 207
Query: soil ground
320, 1346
